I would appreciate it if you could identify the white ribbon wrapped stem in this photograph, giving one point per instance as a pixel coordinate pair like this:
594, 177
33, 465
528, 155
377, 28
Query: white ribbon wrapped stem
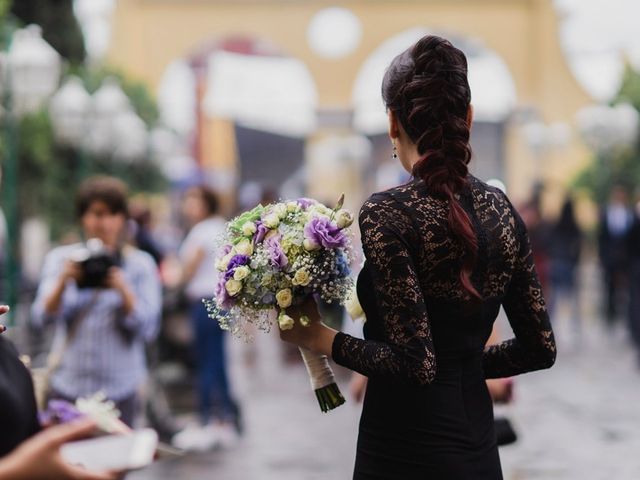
320, 373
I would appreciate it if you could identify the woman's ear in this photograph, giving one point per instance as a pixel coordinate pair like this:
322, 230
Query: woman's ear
470, 116
394, 127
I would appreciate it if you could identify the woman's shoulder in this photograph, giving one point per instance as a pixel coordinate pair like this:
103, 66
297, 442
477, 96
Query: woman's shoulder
391, 207
489, 197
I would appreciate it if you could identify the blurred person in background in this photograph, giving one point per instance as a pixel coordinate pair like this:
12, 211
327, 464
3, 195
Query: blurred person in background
565, 244
104, 297
219, 414
616, 220
538, 228
633, 245
26, 452
141, 231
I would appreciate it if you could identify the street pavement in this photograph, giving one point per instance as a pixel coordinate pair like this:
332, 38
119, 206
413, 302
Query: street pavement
578, 421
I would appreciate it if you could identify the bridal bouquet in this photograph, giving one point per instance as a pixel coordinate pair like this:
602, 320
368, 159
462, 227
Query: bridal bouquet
275, 256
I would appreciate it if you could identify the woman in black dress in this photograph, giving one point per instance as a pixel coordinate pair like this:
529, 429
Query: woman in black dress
443, 252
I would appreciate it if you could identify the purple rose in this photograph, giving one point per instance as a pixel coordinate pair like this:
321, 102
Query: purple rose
324, 232
306, 202
236, 261
261, 231
276, 254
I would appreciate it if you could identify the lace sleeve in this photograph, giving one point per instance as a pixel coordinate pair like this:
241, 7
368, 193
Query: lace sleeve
533, 347
407, 355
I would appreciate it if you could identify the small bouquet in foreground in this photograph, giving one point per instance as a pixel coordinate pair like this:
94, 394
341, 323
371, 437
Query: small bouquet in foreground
102, 411
276, 256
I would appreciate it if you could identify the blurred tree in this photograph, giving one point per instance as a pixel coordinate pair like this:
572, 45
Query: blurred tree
46, 171
618, 167
59, 25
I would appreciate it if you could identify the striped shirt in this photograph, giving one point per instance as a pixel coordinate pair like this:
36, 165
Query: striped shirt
107, 350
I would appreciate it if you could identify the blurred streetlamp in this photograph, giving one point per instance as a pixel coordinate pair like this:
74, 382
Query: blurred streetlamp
33, 67
69, 109
108, 103
31, 72
130, 135
542, 138
104, 124
605, 129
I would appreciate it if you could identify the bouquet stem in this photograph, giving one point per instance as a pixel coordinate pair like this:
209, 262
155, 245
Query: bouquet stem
322, 380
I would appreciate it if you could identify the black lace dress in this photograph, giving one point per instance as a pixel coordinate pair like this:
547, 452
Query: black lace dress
427, 413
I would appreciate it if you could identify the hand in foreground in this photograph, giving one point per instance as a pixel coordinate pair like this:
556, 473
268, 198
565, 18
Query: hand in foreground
357, 386
316, 337
38, 458
501, 390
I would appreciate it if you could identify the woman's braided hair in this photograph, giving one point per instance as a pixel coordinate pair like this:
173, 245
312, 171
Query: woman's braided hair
426, 87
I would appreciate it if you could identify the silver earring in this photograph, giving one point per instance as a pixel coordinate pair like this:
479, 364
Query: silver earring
395, 152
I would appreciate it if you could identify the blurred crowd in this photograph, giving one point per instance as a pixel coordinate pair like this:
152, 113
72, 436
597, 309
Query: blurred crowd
561, 246
119, 307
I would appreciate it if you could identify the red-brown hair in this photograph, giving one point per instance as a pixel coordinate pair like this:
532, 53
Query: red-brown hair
426, 87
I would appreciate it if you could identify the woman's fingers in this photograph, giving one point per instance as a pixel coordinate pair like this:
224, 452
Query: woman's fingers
68, 432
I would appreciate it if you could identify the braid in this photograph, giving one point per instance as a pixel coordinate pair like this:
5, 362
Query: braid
427, 88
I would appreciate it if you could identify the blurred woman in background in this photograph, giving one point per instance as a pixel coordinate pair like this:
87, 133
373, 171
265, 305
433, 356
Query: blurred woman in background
217, 410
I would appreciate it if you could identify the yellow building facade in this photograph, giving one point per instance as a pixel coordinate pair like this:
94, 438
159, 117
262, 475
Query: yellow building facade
149, 34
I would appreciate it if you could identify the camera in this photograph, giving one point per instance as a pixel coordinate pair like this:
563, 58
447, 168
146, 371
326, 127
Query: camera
95, 261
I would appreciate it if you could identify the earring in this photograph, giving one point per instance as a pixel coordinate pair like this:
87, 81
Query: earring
395, 152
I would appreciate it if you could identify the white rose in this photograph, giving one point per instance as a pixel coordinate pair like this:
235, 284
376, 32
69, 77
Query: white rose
344, 218
292, 207
248, 229
272, 220
302, 277
285, 322
224, 262
284, 298
280, 210
245, 247
233, 287
241, 273
320, 210
310, 245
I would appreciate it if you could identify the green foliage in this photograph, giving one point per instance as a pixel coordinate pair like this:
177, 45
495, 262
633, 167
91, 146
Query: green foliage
59, 25
630, 88
622, 166
46, 172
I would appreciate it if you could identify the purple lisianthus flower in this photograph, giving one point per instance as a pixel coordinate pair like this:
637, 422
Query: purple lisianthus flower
59, 411
324, 232
276, 254
236, 261
222, 296
261, 232
306, 202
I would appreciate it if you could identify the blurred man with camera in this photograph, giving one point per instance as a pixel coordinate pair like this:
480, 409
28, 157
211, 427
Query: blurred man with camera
105, 298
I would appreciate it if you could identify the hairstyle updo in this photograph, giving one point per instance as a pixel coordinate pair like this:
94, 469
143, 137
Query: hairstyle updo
427, 89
